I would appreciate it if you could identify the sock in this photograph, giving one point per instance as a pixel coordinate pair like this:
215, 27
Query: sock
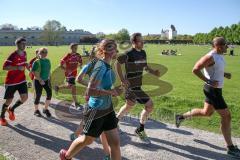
141, 127
4, 109
18, 103
181, 117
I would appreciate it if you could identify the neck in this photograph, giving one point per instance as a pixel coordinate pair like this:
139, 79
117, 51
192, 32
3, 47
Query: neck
19, 51
136, 48
107, 59
217, 51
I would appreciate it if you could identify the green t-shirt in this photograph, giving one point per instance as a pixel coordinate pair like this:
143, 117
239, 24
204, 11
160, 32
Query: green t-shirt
44, 67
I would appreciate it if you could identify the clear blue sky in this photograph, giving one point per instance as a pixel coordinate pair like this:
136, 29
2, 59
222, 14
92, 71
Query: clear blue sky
108, 16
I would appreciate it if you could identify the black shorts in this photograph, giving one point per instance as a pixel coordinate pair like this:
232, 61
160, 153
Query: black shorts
94, 126
214, 97
10, 90
136, 94
71, 81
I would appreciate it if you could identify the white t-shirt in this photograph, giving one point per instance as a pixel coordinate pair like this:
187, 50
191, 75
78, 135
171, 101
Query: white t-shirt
216, 71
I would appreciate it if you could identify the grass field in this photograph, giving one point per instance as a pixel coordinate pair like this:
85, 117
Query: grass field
187, 89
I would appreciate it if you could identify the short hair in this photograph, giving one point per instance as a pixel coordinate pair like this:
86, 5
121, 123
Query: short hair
73, 44
219, 41
134, 36
19, 40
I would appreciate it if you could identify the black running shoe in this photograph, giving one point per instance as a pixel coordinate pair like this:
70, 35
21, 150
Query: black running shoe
47, 112
234, 152
37, 113
79, 107
178, 120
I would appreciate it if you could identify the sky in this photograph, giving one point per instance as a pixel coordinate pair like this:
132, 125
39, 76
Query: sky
109, 16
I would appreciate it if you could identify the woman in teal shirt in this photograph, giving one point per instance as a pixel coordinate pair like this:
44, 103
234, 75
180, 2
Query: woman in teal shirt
99, 115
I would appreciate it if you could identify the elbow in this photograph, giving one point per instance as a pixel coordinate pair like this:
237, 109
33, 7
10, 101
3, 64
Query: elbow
195, 70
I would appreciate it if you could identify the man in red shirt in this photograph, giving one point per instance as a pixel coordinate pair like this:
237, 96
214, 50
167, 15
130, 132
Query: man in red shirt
69, 63
15, 80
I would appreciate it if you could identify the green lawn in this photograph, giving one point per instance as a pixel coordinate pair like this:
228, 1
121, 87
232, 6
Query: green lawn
187, 89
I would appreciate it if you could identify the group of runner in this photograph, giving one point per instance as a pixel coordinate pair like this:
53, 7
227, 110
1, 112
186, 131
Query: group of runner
99, 117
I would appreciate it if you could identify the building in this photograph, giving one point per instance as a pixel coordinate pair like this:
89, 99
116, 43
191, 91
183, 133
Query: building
169, 34
33, 36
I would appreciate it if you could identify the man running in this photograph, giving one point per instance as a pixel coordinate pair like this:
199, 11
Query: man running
213, 64
70, 63
15, 81
135, 61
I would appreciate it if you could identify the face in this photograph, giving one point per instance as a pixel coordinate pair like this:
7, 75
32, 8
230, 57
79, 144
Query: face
138, 43
74, 49
21, 46
222, 47
43, 53
111, 50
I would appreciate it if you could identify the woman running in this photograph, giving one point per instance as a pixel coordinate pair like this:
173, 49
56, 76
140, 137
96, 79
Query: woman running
99, 115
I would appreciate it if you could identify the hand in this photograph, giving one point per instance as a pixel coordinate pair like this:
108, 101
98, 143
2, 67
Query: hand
42, 82
20, 68
125, 83
214, 84
228, 75
116, 91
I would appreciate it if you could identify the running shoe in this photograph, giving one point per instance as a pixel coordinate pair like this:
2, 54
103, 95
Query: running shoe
62, 154
3, 122
73, 136
78, 106
47, 112
107, 157
178, 120
143, 136
37, 113
11, 114
234, 152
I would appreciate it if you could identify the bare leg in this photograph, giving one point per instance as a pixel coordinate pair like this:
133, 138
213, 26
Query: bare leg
114, 143
226, 125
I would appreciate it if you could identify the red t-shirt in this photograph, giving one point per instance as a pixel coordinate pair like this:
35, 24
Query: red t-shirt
15, 77
31, 75
71, 61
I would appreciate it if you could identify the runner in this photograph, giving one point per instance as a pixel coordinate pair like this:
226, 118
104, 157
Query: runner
87, 70
15, 81
41, 69
70, 63
213, 65
31, 75
135, 61
99, 115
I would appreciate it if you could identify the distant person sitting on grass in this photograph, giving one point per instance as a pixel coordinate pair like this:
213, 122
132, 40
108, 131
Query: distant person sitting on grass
213, 64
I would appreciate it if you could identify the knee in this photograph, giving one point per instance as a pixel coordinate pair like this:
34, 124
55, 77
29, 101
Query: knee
207, 113
226, 115
87, 141
149, 107
115, 143
24, 99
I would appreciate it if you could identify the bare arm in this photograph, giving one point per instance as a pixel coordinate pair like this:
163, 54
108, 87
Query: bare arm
10, 68
152, 71
205, 61
81, 80
93, 91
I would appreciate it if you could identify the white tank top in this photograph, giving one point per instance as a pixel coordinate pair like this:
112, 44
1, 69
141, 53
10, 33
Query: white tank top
216, 71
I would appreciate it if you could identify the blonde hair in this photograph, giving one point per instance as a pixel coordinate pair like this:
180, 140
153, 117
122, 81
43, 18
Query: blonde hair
101, 47
41, 50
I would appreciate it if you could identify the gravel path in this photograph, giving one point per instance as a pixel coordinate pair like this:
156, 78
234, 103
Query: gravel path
33, 138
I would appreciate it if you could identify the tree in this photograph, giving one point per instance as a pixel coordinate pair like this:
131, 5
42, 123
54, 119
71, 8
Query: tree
8, 27
52, 31
122, 35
